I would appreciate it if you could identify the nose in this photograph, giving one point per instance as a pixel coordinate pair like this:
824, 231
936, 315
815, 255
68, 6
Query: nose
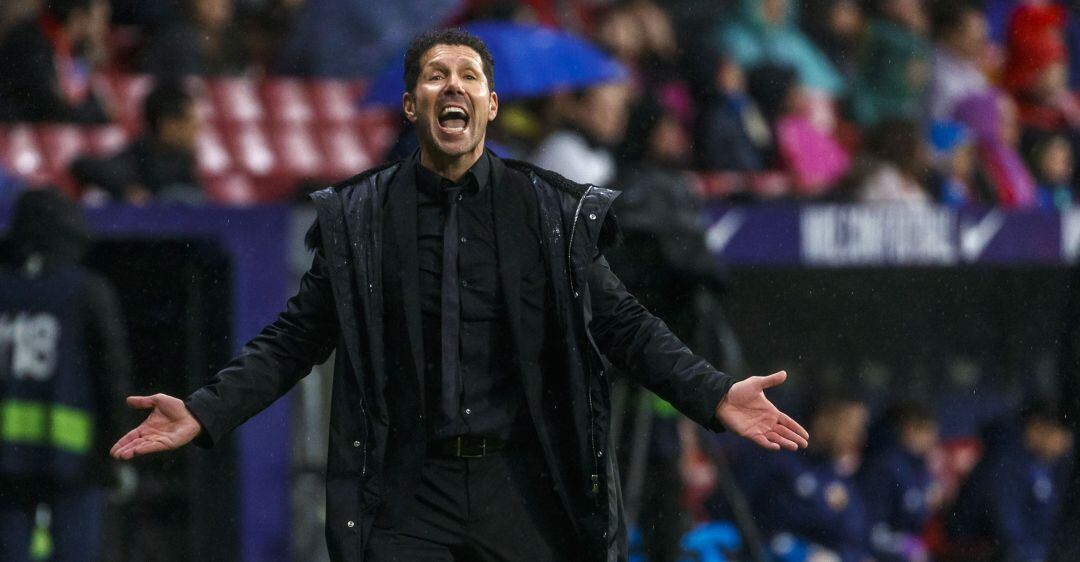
454, 84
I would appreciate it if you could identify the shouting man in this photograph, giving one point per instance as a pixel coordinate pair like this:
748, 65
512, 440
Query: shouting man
473, 314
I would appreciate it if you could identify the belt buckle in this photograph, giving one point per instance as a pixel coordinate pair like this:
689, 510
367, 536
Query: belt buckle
466, 455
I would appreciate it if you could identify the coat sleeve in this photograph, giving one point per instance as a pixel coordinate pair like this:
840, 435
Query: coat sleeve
270, 364
642, 346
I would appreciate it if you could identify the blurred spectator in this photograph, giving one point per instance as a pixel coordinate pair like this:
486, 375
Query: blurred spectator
665, 257
1007, 508
956, 180
729, 132
46, 62
836, 27
992, 118
817, 500
201, 40
65, 367
900, 492
766, 32
1052, 161
349, 39
1036, 68
894, 65
893, 165
815, 160
960, 52
640, 35
591, 123
158, 165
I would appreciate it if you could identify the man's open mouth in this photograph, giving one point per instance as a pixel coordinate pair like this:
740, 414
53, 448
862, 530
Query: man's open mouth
453, 118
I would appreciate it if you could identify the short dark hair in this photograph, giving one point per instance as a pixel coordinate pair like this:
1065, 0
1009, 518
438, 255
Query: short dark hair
168, 100
455, 36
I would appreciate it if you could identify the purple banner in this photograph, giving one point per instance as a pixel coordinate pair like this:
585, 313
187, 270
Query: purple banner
890, 236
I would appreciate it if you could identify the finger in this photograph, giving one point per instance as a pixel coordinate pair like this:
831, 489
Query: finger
774, 379
765, 443
123, 441
786, 421
141, 402
141, 446
791, 436
782, 441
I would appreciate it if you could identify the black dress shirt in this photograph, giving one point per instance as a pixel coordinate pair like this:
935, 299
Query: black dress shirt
489, 396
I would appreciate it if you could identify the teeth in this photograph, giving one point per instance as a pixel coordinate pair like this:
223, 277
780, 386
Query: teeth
453, 110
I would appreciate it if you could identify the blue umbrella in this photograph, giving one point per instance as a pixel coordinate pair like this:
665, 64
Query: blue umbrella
530, 61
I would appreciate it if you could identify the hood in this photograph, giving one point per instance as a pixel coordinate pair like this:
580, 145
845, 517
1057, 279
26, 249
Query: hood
47, 223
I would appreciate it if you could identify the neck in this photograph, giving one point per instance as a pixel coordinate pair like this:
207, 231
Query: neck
451, 167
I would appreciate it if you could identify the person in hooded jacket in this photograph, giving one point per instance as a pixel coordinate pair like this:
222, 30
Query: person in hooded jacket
64, 369
472, 311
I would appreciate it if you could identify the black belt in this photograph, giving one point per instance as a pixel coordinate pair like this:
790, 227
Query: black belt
467, 446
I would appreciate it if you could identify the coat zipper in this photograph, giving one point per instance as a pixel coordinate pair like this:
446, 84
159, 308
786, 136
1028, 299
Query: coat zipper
594, 478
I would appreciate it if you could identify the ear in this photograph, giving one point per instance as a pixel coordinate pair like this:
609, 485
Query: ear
408, 105
493, 106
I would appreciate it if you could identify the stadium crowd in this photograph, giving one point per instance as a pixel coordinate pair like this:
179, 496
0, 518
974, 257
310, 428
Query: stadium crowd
902, 101
842, 100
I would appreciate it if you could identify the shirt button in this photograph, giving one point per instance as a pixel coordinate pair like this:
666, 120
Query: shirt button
464, 283
460, 197
464, 239
355, 443
351, 524
592, 216
468, 411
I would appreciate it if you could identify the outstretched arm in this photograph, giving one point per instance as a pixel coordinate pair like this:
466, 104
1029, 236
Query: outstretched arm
644, 347
266, 368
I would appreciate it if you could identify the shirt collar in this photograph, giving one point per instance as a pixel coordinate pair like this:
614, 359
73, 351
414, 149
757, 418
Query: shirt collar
477, 178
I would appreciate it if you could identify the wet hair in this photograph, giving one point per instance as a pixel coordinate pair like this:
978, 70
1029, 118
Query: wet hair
423, 43
168, 100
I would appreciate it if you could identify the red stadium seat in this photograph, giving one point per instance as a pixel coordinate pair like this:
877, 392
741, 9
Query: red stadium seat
61, 143
379, 130
251, 149
236, 100
21, 153
287, 100
105, 140
335, 100
345, 152
212, 155
298, 152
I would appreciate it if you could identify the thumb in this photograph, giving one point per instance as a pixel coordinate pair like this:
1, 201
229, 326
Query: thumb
141, 402
775, 379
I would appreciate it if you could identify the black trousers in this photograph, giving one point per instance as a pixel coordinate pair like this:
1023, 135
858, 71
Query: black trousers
501, 507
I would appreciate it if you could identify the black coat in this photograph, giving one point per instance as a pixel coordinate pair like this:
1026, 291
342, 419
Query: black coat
361, 297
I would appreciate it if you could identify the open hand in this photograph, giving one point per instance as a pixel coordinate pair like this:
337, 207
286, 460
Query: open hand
169, 426
747, 412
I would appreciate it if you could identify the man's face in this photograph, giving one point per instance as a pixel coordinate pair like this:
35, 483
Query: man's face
452, 103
